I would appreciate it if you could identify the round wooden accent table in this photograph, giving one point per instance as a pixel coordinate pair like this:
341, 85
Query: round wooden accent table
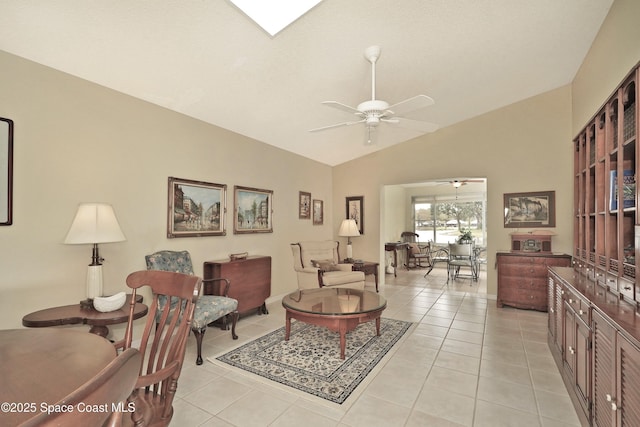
76, 314
41, 366
338, 309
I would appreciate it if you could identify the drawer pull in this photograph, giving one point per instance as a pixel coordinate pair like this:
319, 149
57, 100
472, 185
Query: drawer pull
581, 312
552, 310
627, 288
571, 350
614, 407
570, 300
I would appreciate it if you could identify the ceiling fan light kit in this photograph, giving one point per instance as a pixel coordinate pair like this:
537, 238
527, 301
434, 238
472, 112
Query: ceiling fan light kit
375, 111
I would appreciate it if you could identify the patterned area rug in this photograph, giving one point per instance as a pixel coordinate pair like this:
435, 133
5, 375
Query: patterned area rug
310, 360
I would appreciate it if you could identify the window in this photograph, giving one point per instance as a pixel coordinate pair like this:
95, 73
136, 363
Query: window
441, 219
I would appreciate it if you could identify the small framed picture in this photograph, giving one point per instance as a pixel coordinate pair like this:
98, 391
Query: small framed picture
304, 205
196, 208
536, 209
318, 212
253, 210
355, 210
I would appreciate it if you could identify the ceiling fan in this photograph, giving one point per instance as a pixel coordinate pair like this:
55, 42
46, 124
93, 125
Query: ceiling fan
375, 111
457, 183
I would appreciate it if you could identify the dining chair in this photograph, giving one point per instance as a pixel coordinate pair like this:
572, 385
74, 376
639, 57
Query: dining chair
107, 390
162, 344
461, 255
209, 308
418, 254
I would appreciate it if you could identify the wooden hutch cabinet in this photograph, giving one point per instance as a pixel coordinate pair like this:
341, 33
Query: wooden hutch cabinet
250, 280
605, 194
594, 318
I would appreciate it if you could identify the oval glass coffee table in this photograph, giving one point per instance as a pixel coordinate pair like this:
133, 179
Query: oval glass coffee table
338, 309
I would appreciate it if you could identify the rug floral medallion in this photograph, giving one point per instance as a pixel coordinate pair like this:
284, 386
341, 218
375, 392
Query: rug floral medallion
310, 360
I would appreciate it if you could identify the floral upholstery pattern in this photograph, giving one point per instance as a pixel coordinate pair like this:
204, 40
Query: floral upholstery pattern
209, 308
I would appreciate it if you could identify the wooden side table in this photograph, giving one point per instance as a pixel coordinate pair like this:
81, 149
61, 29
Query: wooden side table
75, 314
367, 267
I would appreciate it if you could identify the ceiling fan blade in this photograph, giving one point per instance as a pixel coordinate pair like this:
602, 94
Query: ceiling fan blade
412, 124
411, 104
336, 125
342, 107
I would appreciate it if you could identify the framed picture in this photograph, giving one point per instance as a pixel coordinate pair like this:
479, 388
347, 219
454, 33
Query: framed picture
304, 205
537, 209
196, 208
355, 210
6, 171
253, 210
318, 212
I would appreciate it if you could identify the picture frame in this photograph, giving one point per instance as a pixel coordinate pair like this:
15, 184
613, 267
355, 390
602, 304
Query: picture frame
318, 212
6, 171
355, 210
532, 209
196, 208
304, 205
253, 210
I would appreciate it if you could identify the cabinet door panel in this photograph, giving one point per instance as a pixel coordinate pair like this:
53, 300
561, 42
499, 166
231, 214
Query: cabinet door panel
628, 381
604, 350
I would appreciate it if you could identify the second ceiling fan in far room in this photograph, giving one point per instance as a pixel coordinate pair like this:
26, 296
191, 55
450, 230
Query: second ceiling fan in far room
375, 112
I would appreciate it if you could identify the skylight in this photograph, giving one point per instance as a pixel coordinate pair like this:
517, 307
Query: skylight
274, 15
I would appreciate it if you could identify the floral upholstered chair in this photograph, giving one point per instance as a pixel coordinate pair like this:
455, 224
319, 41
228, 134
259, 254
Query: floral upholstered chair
209, 308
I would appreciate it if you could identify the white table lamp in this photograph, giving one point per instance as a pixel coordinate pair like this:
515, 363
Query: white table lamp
94, 223
349, 229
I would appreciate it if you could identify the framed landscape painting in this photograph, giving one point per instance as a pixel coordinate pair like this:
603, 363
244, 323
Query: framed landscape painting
196, 208
536, 209
252, 210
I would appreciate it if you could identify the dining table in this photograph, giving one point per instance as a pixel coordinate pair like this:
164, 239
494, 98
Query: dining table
39, 367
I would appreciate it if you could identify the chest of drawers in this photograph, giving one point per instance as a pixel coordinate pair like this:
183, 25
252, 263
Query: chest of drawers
522, 278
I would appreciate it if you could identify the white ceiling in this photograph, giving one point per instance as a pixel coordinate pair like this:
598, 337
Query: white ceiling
206, 59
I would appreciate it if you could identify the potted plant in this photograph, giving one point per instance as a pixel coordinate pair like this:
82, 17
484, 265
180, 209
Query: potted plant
465, 237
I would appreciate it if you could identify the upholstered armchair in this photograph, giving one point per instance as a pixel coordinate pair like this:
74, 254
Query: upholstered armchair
209, 308
317, 264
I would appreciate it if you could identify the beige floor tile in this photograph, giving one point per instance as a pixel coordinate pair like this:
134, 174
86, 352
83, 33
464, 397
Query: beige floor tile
466, 362
369, 411
515, 396
254, 409
492, 415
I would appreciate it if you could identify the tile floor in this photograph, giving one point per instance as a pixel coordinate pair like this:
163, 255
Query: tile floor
466, 363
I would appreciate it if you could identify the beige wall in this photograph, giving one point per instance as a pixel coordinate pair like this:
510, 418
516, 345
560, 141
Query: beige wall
79, 142
615, 51
522, 147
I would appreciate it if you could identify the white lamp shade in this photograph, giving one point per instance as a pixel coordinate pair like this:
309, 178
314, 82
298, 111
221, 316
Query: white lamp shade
94, 223
348, 228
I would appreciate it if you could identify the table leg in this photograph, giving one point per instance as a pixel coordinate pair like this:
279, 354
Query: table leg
377, 326
287, 329
375, 275
343, 339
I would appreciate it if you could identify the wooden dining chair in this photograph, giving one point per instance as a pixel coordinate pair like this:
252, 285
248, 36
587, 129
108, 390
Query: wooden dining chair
162, 344
209, 308
104, 393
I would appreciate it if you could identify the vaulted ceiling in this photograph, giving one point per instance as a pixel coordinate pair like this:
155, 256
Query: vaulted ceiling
208, 60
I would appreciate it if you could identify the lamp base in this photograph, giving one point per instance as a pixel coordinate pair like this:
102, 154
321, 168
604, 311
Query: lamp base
94, 281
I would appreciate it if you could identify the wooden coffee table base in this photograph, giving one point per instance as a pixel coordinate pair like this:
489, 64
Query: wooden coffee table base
342, 323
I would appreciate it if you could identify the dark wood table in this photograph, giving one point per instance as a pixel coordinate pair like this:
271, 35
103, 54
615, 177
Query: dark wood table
75, 314
41, 366
338, 309
367, 267
395, 247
